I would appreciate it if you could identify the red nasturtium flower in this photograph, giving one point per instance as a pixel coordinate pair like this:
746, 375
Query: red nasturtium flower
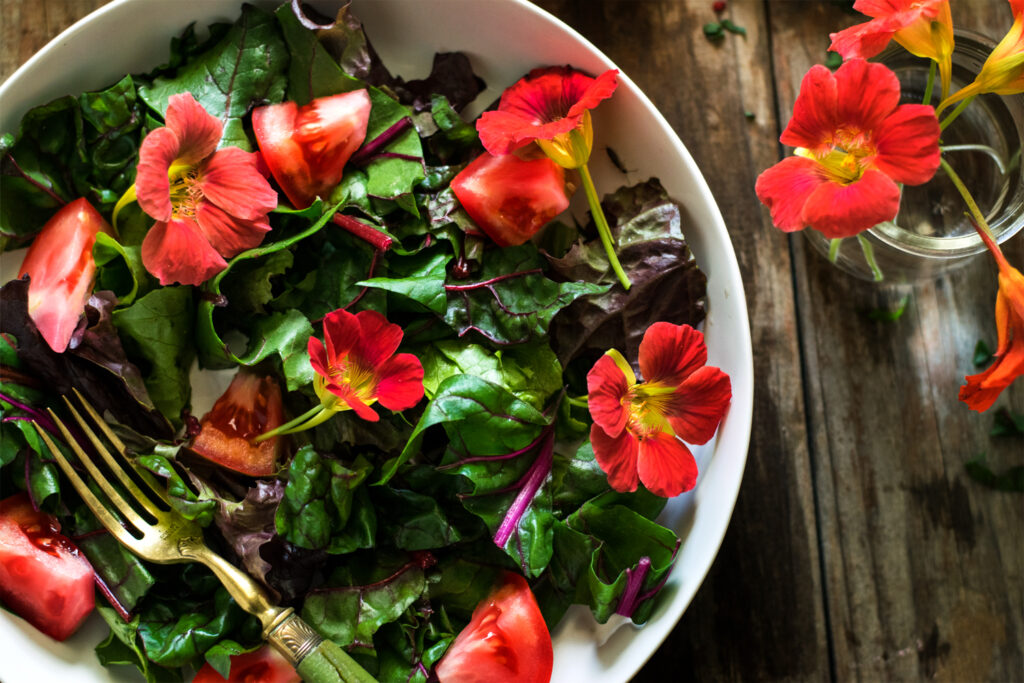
636, 424
1003, 71
209, 204
923, 27
855, 143
356, 365
982, 390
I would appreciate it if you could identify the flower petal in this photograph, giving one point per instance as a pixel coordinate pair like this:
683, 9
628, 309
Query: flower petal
586, 92
866, 93
863, 41
838, 210
341, 334
617, 457
318, 356
378, 339
982, 389
229, 235
345, 393
400, 382
607, 386
699, 404
814, 113
152, 187
671, 353
198, 130
784, 189
907, 144
231, 179
176, 251
665, 465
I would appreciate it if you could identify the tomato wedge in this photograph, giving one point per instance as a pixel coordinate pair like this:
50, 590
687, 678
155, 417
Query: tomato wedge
509, 198
60, 265
43, 577
506, 640
250, 406
306, 148
264, 665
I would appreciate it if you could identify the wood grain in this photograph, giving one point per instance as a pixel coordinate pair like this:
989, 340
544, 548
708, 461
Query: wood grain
859, 549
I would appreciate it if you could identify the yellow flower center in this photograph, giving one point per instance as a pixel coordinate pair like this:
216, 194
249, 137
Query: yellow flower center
185, 191
647, 404
362, 381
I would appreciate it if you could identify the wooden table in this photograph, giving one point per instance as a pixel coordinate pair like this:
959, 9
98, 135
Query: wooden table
859, 548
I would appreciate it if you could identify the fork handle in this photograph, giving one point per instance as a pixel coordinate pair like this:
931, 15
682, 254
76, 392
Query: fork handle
317, 660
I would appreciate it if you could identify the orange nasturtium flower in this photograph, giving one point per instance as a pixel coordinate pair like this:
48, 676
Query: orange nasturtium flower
982, 390
209, 204
923, 27
1003, 71
636, 425
356, 366
855, 142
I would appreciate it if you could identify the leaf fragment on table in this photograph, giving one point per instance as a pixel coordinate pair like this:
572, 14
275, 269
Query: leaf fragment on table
1011, 479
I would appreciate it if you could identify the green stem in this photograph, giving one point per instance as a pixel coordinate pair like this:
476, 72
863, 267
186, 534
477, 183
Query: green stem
602, 226
833, 249
580, 402
956, 112
972, 206
931, 82
286, 428
869, 257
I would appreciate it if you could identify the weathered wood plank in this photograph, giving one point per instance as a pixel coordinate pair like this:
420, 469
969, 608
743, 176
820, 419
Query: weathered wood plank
922, 565
759, 614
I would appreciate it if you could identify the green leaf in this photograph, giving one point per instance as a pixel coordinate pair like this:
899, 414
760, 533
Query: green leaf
312, 72
122, 571
219, 656
530, 371
199, 506
511, 302
246, 68
422, 280
119, 268
1010, 480
1006, 423
123, 648
158, 328
728, 25
351, 614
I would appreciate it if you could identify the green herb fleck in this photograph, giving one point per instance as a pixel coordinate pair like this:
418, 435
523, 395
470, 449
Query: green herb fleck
888, 316
733, 28
1007, 424
834, 60
982, 354
714, 31
1010, 480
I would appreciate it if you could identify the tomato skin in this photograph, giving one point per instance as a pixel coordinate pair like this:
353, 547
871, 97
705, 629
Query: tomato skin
506, 640
61, 267
264, 665
43, 577
306, 148
250, 406
510, 198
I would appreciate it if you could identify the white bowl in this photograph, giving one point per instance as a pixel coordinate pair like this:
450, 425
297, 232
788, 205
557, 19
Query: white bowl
503, 39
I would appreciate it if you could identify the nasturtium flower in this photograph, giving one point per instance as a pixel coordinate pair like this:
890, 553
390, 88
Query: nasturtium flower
1003, 71
982, 389
855, 143
545, 107
208, 204
639, 427
356, 365
923, 27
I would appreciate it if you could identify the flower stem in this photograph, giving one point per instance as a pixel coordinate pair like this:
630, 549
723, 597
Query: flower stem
287, 427
956, 112
869, 257
602, 226
972, 205
931, 83
833, 249
580, 402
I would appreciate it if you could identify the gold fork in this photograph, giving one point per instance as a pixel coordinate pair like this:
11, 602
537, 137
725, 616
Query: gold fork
169, 538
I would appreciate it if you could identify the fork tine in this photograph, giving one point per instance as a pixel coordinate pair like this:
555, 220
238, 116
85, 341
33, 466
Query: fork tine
119, 446
126, 510
105, 517
116, 467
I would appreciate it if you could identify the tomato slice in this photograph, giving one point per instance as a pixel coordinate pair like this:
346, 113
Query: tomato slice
43, 577
250, 406
510, 198
60, 265
306, 148
506, 640
264, 665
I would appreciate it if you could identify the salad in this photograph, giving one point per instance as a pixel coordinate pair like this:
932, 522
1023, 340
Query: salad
421, 413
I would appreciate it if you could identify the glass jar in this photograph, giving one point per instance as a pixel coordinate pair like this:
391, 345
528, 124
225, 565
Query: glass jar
932, 233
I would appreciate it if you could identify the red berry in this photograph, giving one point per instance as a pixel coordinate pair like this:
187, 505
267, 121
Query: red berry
718, 6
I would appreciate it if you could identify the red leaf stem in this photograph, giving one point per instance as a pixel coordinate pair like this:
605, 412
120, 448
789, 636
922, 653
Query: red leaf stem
372, 236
